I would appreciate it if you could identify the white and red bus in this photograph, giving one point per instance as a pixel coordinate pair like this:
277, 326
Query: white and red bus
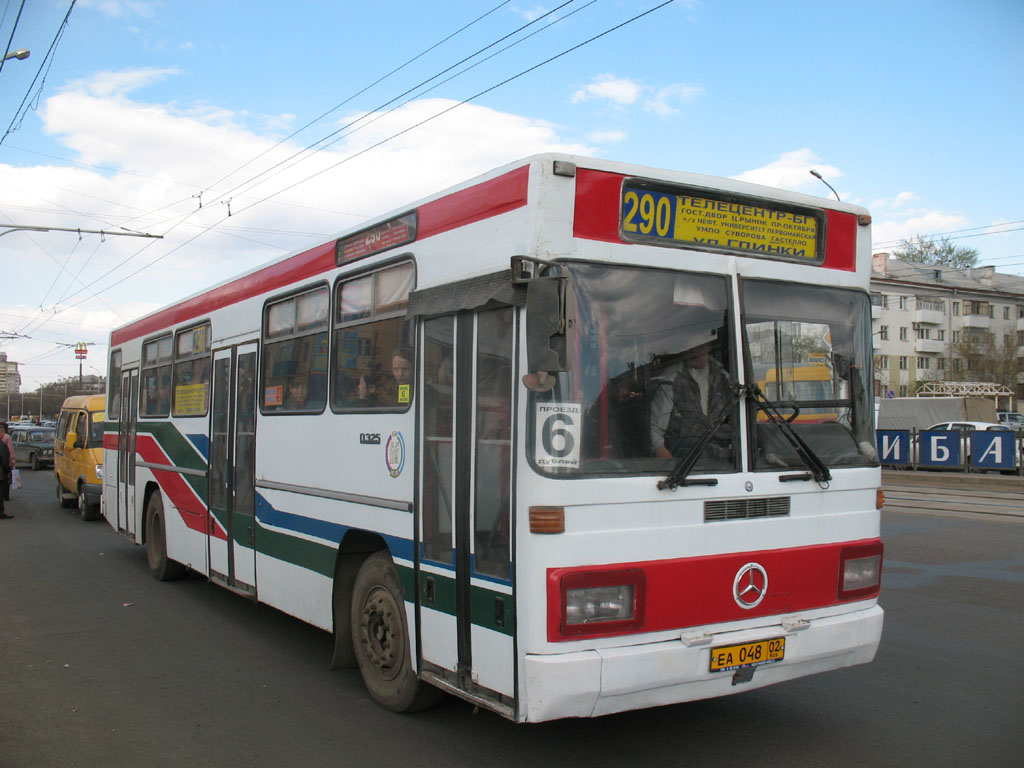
507, 442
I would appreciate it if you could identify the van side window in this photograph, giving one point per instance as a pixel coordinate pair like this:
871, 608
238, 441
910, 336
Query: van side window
295, 353
192, 372
156, 376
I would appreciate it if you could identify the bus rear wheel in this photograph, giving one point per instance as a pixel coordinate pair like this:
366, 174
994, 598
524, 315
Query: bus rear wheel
160, 565
380, 638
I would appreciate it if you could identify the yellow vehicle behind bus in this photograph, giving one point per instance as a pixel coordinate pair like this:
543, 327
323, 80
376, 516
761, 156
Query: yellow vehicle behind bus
78, 454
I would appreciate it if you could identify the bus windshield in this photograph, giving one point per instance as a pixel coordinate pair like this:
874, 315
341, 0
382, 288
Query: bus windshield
808, 351
652, 372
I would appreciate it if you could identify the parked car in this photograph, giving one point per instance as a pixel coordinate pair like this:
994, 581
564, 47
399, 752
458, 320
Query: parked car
78, 451
33, 446
1011, 419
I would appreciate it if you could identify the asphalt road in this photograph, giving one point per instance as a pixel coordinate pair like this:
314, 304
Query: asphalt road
100, 665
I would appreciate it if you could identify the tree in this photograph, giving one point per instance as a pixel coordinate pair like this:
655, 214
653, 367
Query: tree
940, 253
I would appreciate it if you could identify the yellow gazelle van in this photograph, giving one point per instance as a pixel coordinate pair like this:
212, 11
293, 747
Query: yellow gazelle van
78, 454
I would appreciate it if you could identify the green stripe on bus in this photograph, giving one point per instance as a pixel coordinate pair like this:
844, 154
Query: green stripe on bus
483, 602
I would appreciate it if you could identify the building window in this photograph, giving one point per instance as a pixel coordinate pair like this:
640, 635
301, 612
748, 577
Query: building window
956, 337
940, 363
956, 307
883, 332
923, 333
958, 365
903, 390
903, 333
1006, 313
883, 362
940, 334
903, 362
904, 302
924, 363
881, 300
982, 308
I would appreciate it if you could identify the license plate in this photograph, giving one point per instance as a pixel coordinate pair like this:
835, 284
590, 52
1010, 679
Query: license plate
729, 657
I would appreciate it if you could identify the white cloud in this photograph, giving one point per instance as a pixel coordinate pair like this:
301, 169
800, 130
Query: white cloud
616, 90
900, 201
887, 235
606, 137
793, 171
530, 14
163, 154
664, 101
123, 8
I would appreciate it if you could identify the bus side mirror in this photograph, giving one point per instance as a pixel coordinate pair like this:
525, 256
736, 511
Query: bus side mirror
545, 324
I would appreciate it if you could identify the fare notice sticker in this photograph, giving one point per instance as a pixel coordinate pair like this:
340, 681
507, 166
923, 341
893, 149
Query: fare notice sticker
558, 435
703, 220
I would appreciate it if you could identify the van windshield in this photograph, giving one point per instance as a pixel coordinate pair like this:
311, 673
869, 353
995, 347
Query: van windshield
95, 429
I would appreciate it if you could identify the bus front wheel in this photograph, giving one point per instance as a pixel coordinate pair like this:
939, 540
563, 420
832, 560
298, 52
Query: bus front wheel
160, 565
380, 638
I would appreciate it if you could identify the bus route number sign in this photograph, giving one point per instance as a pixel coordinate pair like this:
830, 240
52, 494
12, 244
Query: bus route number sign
700, 219
558, 435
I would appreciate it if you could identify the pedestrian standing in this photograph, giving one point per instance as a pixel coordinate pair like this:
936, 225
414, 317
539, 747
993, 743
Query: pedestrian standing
5, 438
6, 467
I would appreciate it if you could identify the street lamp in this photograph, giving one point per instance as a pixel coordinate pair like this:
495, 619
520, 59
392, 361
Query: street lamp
21, 53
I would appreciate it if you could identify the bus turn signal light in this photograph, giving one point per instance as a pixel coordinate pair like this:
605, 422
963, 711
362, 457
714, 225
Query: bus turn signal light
547, 520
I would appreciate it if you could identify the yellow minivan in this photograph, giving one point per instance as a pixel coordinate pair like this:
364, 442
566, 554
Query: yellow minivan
78, 454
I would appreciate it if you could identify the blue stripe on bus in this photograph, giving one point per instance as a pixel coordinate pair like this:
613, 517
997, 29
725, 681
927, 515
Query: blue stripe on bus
267, 514
202, 444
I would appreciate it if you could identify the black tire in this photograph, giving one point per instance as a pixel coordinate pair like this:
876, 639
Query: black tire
65, 502
34, 461
160, 565
85, 509
380, 638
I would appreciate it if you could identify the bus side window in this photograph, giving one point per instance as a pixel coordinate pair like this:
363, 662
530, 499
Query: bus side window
294, 374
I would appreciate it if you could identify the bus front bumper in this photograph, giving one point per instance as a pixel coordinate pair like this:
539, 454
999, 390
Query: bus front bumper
604, 681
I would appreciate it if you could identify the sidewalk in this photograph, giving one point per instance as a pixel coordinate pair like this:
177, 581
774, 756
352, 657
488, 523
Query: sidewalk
973, 480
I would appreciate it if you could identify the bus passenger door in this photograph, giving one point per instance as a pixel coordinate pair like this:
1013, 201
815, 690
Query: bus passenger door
231, 524
466, 602
127, 427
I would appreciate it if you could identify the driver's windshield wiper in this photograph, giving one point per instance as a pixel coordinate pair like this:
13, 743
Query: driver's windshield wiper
819, 470
678, 475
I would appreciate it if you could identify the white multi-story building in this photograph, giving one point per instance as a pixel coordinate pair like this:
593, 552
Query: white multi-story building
10, 379
933, 324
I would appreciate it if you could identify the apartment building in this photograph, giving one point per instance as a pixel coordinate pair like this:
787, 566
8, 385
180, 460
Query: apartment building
10, 379
933, 324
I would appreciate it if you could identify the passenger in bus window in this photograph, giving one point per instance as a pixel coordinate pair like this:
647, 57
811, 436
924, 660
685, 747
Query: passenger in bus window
296, 394
366, 390
401, 369
687, 397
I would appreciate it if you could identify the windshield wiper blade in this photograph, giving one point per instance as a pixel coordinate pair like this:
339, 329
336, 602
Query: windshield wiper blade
678, 475
819, 470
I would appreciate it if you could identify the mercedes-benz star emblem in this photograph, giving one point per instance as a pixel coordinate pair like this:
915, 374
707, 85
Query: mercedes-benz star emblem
750, 585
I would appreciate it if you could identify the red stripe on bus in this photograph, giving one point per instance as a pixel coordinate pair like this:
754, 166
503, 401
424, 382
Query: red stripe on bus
111, 441
191, 508
596, 217
697, 591
481, 201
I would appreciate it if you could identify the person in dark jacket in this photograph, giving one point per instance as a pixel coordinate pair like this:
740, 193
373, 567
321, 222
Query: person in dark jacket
5, 478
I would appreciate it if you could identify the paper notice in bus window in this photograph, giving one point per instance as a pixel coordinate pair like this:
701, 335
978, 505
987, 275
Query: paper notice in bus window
190, 400
273, 395
751, 227
558, 435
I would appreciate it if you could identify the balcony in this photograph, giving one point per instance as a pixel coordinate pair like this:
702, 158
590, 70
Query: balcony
976, 321
930, 316
876, 312
1020, 323
929, 346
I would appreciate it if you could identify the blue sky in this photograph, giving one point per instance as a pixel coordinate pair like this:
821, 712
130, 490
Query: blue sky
913, 109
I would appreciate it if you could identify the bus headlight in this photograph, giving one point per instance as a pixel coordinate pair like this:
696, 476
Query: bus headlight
860, 571
588, 604
99, 471
600, 602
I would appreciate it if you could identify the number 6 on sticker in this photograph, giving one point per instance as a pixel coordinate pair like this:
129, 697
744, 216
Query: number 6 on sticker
558, 434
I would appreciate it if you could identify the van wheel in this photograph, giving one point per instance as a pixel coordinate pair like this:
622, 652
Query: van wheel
160, 565
61, 498
380, 638
85, 509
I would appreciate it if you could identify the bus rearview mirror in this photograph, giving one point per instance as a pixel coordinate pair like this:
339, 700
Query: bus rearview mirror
545, 324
